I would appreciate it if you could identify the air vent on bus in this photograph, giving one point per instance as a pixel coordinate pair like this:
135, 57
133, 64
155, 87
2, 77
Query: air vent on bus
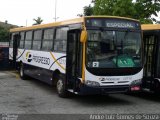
123, 81
107, 82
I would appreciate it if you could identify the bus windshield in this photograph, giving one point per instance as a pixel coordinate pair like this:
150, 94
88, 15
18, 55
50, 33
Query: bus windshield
113, 49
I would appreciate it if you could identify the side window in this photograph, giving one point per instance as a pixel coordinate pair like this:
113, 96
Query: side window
47, 43
28, 40
21, 40
37, 39
60, 43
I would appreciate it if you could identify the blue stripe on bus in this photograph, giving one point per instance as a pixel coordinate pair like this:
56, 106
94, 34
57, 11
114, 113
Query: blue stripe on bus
56, 61
20, 55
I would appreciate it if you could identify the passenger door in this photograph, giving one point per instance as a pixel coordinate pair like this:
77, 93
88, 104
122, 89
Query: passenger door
158, 64
150, 55
73, 67
16, 39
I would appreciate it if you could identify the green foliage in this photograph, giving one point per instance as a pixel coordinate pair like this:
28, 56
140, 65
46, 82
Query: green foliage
4, 34
88, 10
139, 9
104, 7
124, 8
145, 9
38, 20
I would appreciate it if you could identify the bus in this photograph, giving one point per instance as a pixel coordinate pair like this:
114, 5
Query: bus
151, 38
86, 55
4, 55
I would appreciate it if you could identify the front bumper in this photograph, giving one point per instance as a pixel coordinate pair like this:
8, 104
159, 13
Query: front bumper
87, 90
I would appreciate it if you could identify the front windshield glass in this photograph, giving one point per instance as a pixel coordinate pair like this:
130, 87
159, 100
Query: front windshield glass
113, 49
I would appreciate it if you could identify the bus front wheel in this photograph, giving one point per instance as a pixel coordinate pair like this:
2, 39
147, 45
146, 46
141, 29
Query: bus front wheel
62, 92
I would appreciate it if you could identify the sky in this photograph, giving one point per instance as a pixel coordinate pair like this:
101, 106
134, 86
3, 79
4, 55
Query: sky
22, 12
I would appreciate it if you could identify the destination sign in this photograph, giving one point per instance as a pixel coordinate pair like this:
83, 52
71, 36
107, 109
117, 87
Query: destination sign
120, 25
112, 23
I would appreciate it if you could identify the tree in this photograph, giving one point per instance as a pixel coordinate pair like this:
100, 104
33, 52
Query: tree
139, 9
103, 7
145, 9
38, 20
88, 10
4, 34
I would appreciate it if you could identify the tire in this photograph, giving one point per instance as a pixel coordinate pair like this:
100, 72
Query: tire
21, 72
61, 90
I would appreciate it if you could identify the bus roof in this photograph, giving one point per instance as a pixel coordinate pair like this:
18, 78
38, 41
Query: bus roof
150, 27
66, 22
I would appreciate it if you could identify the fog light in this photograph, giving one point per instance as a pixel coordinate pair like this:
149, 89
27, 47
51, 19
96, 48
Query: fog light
92, 83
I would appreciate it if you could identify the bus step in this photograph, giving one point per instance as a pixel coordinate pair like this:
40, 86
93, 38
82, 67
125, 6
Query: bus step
71, 90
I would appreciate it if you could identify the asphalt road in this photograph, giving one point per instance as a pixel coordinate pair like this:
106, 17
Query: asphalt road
34, 97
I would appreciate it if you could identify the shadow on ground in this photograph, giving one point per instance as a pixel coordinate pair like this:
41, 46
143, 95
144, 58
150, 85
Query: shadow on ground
99, 100
86, 99
147, 96
96, 100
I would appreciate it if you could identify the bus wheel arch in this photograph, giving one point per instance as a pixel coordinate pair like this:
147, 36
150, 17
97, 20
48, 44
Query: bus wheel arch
156, 85
55, 76
19, 64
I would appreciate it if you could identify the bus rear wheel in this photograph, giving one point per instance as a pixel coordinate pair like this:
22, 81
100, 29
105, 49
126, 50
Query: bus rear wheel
61, 90
21, 71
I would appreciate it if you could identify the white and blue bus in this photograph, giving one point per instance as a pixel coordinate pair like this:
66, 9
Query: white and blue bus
87, 55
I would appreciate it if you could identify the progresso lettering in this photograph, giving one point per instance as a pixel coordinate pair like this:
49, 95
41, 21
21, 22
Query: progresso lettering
42, 60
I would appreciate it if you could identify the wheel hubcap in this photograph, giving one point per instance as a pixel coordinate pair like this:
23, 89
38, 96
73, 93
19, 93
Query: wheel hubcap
21, 71
59, 86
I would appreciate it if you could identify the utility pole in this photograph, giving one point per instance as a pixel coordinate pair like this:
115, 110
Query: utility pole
26, 22
55, 17
55, 10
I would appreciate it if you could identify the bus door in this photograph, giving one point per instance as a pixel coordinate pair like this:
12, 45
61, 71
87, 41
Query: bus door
73, 69
158, 58
16, 39
150, 55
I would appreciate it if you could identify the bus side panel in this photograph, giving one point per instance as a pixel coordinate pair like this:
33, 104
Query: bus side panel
41, 64
41, 74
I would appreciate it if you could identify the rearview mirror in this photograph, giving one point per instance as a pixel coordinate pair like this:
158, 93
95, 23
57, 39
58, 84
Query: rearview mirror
83, 36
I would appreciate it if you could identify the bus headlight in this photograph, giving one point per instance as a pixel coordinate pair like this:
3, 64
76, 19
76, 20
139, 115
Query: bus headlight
137, 82
92, 83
